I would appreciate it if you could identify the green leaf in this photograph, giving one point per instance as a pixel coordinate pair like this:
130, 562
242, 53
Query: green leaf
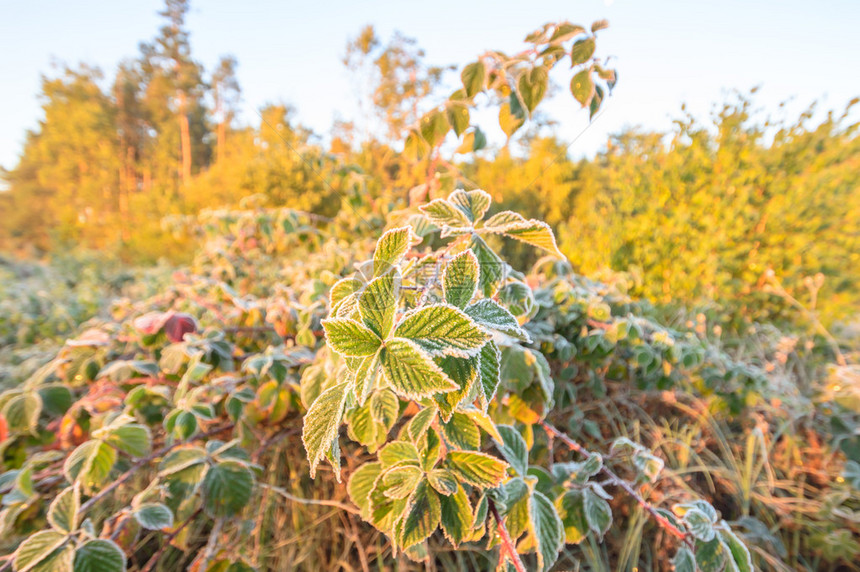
62, 514
534, 232
478, 469
378, 302
492, 269
397, 452
154, 516
474, 204
132, 438
422, 515
362, 427
598, 25
349, 338
566, 31
480, 140
361, 483
582, 87
700, 524
490, 372
45, 551
456, 516
400, 481
410, 372
21, 412
90, 464
490, 314
582, 51
461, 432
547, 529
385, 512
711, 556
598, 513
596, 101
571, 509
321, 423
227, 488
532, 87
514, 449
434, 126
343, 288
684, 560
463, 372
180, 459
99, 555
442, 330
443, 481
460, 279
56, 398
384, 407
473, 78
508, 120
391, 247
740, 554
365, 377
458, 117
420, 422
442, 213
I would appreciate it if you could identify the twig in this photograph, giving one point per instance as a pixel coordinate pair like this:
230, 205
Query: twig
150, 564
614, 479
323, 502
507, 544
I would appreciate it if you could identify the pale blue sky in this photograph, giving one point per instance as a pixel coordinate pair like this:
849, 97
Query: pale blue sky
667, 51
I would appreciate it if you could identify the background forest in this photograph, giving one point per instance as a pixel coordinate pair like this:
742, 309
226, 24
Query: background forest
708, 308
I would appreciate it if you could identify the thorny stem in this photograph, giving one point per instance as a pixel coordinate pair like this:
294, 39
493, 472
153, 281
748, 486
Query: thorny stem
614, 479
507, 543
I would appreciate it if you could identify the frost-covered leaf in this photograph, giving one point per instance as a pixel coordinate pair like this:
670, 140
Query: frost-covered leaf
456, 516
378, 302
700, 524
153, 516
420, 422
490, 372
321, 423
571, 509
180, 459
514, 449
391, 247
598, 513
443, 481
63, 511
478, 469
227, 488
99, 555
740, 554
21, 412
350, 338
534, 232
400, 480
366, 375
492, 269
410, 372
442, 213
132, 438
473, 204
361, 483
463, 372
422, 515
384, 407
90, 464
442, 330
503, 218
684, 560
490, 314
342, 289
45, 551
397, 452
711, 556
461, 432
547, 528
460, 279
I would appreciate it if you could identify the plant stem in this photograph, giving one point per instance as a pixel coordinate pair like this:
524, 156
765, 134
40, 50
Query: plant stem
507, 544
614, 479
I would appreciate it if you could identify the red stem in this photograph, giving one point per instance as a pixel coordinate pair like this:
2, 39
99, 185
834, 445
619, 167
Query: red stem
507, 543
